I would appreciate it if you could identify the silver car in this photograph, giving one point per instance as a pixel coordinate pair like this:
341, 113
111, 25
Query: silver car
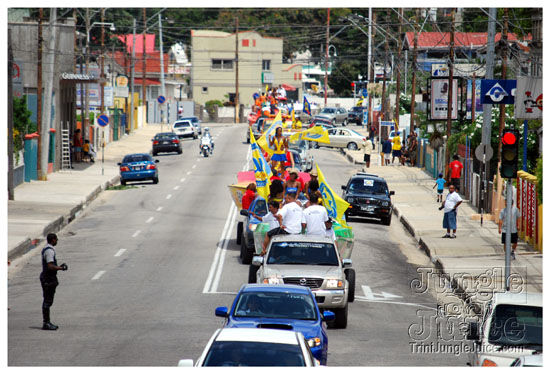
311, 261
345, 138
185, 129
334, 115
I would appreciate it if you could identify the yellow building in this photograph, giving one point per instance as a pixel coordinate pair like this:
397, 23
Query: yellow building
213, 74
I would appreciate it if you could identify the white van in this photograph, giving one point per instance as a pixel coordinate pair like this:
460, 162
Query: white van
511, 327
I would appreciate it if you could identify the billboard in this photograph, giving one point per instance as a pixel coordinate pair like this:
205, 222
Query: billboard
528, 103
438, 99
478, 103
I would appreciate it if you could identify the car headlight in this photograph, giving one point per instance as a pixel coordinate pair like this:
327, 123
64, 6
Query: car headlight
385, 203
252, 226
314, 342
334, 283
351, 200
273, 280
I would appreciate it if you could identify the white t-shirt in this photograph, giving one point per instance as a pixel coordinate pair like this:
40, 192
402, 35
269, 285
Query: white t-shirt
315, 217
515, 216
450, 202
270, 219
292, 217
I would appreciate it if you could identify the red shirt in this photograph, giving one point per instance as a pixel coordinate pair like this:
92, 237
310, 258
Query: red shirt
248, 198
456, 168
288, 163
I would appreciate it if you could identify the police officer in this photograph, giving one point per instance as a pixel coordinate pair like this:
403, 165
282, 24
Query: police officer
48, 279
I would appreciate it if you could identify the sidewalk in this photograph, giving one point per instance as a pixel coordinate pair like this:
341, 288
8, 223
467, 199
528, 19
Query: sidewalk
41, 207
477, 249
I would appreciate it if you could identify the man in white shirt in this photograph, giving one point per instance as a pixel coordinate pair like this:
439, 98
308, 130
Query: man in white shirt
450, 204
289, 218
315, 217
514, 228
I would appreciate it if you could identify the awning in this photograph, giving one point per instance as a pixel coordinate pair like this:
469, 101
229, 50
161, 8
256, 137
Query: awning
288, 87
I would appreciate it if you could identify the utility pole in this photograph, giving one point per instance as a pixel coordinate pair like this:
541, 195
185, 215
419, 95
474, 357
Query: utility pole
144, 75
371, 64
237, 69
133, 64
450, 94
413, 83
86, 119
39, 88
398, 72
162, 86
386, 47
326, 56
48, 92
11, 193
102, 73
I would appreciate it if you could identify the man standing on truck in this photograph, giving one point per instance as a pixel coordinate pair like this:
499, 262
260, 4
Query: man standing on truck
289, 217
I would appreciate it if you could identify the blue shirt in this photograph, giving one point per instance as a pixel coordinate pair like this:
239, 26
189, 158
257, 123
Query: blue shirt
440, 183
386, 147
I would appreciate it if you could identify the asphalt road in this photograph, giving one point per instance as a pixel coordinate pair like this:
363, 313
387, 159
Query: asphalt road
149, 264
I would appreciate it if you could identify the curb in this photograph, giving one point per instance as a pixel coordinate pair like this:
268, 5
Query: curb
21, 248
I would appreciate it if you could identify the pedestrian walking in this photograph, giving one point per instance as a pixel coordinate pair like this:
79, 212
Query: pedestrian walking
450, 204
456, 171
396, 149
440, 183
386, 151
48, 279
514, 227
367, 150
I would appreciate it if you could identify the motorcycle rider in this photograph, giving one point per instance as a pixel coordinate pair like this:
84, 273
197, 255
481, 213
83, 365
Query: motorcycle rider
206, 139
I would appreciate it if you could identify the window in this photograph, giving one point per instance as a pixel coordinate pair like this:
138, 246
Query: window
222, 64
246, 42
205, 90
266, 64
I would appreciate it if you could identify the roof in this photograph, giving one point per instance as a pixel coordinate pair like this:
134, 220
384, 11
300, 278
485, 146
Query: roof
128, 40
274, 288
462, 39
302, 238
222, 34
152, 62
258, 335
369, 176
523, 298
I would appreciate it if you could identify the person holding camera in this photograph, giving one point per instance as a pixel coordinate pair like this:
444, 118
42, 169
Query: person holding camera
48, 279
452, 201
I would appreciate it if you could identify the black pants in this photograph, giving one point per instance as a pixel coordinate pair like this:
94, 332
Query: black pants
456, 182
48, 292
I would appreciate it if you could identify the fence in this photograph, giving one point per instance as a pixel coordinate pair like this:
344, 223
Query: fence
531, 212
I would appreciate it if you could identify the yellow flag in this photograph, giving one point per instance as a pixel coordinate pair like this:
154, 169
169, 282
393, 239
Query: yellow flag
335, 205
315, 134
263, 140
266, 88
262, 171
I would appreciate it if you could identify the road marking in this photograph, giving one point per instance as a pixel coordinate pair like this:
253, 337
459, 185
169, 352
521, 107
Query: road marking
159, 209
98, 275
188, 172
120, 252
168, 197
368, 292
198, 160
364, 299
224, 250
136, 233
182, 180
369, 295
150, 219
194, 166
176, 188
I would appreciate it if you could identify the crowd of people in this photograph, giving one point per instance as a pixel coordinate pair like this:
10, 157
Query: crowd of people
404, 151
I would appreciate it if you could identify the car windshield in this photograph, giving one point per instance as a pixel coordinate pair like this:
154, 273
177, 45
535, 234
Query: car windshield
302, 253
517, 325
299, 145
275, 305
182, 124
260, 208
165, 136
136, 158
238, 353
368, 186
327, 110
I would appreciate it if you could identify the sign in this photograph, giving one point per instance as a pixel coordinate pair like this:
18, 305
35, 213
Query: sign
365, 117
121, 91
161, 99
478, 104
267, 77
484, 149
439, 97
440, 70
364, 92
460, 70
77, 77
498, 91
103, 120
17, 80
528, 103
386, 123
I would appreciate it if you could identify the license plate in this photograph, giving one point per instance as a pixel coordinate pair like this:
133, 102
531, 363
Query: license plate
165, 142
367, 209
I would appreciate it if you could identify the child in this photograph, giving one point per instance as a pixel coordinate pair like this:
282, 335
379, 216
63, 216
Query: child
440, 183
89, 150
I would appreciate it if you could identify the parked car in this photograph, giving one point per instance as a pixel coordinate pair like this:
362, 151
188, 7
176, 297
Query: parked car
166, 142
302, 147
311, 261
334, 115
254, 347
511, 327
285, 307
355, 115
245, 230
321, 122
368, 196
194, 121
138, 167
185, 129
345, 138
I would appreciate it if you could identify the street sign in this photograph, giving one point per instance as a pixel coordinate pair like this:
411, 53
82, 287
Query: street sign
103, 120
386, 123
161, 99
365, 117
364, 92
498, 91
484, 149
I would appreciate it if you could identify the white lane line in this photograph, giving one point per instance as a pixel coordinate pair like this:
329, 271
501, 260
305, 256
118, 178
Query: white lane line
176, 188
198, 160
120, 252
98, 275
368, 292
188, 172
224, 250
362, 298
182, 180
159, 209
194, 166
150, 219
168, 197
218, 250
136, 233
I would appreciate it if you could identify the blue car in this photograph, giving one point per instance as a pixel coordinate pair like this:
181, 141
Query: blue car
138, 167
276, 306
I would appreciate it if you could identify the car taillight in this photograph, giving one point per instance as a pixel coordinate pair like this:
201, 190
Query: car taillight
124, 168
176, 141
155, 142
151, 167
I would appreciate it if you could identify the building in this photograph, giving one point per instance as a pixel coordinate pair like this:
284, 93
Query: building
213, 71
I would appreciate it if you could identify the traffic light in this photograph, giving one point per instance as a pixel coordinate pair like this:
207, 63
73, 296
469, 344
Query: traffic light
509, 155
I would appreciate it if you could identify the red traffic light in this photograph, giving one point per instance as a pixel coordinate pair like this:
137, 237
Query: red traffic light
352, 84
509, 138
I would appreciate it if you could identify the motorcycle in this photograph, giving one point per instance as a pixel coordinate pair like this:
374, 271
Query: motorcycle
205, 149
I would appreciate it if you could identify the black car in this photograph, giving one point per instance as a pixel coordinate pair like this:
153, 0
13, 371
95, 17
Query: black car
166, 142
355, 114
368, 196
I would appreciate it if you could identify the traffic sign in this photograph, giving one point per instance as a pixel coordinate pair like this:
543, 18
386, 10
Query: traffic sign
103, 120
161, 99
484, 149
364, 92
498, 91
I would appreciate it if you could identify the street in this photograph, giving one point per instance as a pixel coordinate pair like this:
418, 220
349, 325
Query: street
148, 265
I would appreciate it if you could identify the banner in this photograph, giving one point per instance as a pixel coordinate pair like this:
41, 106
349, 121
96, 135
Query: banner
262, 171
478, 104
315, 134
307, 107
528, 98
335, 205
439, 97
263, 140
